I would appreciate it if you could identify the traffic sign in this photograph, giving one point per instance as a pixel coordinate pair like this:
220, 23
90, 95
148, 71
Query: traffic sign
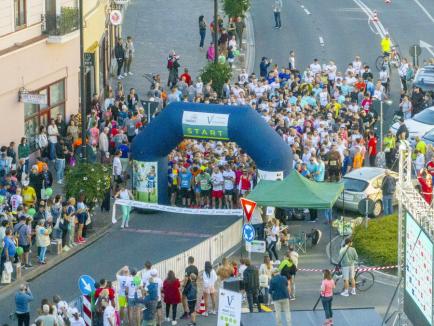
415, 50
248, 232
248, 207
256, 246
86, 284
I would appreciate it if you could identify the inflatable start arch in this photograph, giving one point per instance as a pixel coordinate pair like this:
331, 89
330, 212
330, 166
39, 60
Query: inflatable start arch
240, 124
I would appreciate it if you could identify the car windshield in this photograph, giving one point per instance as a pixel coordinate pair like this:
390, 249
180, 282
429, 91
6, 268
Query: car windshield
355, 184
429, 135
426, 117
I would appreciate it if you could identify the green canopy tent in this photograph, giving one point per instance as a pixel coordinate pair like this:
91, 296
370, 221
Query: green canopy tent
296, 191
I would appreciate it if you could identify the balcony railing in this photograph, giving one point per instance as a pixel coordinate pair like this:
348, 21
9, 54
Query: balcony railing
63, 24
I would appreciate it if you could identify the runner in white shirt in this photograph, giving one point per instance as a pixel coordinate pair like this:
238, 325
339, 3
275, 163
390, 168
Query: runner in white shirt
122, 277
357, 65
217, 181
16, 200
76, 319
109, 317
229, 181
315, 67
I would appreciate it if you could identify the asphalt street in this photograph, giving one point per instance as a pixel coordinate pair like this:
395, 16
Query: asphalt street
144, 240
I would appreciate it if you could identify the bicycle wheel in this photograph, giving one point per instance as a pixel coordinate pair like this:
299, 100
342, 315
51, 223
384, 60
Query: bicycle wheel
364, 281
379, 63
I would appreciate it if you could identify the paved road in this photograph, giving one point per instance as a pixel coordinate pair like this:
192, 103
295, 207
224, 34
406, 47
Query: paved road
122, 247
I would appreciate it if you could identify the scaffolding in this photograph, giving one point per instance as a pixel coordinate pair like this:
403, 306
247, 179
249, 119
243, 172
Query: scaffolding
410, 201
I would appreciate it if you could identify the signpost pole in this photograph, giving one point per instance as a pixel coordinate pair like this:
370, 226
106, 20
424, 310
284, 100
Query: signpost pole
149, 111
82, 94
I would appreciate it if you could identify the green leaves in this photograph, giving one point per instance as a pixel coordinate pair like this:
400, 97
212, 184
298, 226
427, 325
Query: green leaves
378, 244
236, 8
91, 179
218, 73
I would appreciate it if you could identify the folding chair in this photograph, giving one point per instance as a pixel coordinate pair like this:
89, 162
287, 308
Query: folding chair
298, 242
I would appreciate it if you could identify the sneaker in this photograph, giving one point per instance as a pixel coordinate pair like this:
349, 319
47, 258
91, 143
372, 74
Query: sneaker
191, 324
83, 239
185, 316
167, 319
122, 226
213, 312
120, 77
345, 293
29, 265
66, 249
126, 225
130, 73
353, 291
205, 314
292, 297
174, 322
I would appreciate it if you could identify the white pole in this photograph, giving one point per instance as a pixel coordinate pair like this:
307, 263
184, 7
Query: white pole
381, 126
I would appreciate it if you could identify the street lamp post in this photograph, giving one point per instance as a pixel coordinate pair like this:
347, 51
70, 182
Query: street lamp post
388, 102
215, 31
82, 95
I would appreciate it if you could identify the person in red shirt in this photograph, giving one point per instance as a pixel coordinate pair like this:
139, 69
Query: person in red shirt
360, 85
366, 103
425, 181
187, 77
103, 286
172, 295
430, 166
372, 148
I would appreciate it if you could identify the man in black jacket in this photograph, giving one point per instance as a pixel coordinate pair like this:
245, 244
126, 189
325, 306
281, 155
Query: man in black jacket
388, 187
120, 57
402, 129
251, 285
417, 101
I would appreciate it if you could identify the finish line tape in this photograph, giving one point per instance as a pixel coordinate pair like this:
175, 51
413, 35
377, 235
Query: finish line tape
361, 269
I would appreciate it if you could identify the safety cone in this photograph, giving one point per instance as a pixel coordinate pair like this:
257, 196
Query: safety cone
375, 16
202, 307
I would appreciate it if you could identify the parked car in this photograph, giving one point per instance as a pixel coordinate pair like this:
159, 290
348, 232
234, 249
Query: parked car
420, 124
424, 78
428, 138
364, 183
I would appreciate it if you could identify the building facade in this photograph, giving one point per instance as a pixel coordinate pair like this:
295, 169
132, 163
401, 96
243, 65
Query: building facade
39, 56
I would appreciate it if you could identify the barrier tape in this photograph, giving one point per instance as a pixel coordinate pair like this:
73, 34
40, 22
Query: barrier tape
175, 209
360, 269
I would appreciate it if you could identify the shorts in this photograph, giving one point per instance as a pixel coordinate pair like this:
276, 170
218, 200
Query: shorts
197, 189
122, 300
131, 302
217, 194
205, 193
81, 218
348, 272
173, 189
185, 192
191, 306
209, 290
25, 248
229, 192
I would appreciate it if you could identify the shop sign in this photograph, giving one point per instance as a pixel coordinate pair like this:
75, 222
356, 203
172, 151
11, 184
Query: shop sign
89, 59
115, 17
39, 99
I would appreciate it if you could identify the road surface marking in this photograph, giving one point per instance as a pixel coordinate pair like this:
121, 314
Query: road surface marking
378, 25
321, 40
426, 46
172, 233
306, 11
424, 10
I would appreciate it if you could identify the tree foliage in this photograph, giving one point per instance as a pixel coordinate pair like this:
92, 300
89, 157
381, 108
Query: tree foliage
218, 73
92, 179
236, 8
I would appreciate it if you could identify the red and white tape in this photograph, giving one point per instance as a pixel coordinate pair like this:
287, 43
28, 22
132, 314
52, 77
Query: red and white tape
360, 269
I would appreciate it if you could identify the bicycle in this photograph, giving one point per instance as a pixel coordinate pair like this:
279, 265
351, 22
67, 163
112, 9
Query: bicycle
364, 279
394, 59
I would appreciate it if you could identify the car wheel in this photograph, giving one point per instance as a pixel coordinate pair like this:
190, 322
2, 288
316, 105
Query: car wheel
378, 208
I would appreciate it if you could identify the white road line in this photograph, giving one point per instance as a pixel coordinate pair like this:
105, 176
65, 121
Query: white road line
306, 11
424, 10
378, 25
321, 41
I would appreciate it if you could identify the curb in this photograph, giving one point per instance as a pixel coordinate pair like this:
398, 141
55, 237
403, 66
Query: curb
7, 289
250, 50
381, 277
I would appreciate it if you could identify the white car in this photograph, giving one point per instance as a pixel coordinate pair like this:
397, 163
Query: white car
420, 124
364, 183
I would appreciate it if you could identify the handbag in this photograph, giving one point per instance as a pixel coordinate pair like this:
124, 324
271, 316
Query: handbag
88, 220
6, 277
8, 267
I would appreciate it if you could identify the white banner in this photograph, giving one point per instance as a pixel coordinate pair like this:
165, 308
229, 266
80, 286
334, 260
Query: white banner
174, 209
229, 308
270, 175
205, 119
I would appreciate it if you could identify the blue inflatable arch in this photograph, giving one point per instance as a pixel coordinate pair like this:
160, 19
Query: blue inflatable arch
240, 124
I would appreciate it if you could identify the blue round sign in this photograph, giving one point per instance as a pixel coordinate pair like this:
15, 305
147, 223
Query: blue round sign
86, 284
248, 232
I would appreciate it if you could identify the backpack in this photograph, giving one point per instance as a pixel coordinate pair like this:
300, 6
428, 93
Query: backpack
169, 63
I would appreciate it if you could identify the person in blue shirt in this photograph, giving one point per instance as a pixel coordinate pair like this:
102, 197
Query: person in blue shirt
185, 184
263, 67
9, 249
22, 308
150, 303
320, 172
346, 163
312, 166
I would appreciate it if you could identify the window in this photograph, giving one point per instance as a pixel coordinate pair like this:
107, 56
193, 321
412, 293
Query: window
20, 13
39, 115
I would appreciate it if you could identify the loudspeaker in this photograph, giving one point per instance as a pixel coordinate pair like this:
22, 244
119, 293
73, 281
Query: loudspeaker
233, 284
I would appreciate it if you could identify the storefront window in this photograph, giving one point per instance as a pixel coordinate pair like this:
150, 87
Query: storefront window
40, 115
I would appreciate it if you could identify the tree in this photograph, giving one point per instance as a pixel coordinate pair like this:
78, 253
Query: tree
236, 8
218, 74
91, 179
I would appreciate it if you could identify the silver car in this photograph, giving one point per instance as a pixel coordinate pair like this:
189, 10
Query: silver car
364, 183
